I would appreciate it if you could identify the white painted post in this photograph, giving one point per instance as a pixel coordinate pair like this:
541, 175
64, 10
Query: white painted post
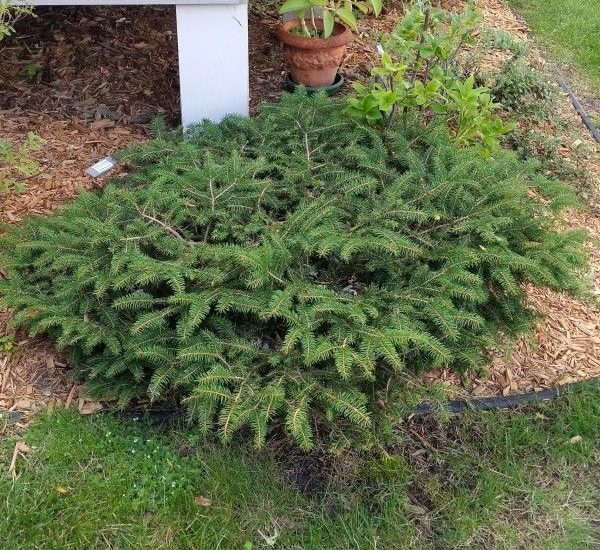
213, 61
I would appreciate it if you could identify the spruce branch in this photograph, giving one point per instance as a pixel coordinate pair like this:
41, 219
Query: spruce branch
165, 226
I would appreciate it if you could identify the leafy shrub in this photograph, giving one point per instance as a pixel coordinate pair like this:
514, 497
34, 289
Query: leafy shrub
418, 72
532, 103
289, 270
499, 39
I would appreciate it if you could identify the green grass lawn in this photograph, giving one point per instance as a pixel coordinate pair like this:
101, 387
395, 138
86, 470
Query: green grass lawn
526, 479
569, 30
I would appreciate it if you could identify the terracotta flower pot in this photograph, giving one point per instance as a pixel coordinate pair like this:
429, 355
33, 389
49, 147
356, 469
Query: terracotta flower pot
314, 61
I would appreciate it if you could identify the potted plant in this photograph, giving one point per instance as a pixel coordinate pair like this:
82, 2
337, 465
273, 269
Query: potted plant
314, 42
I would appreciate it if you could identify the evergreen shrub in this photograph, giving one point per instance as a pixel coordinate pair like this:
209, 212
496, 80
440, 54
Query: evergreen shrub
287, 271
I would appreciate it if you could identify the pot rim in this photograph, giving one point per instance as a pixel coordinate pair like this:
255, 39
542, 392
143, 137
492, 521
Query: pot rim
342, 37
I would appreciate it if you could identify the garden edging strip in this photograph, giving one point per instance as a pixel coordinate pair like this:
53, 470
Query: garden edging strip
581, 111
457, 406
495, 402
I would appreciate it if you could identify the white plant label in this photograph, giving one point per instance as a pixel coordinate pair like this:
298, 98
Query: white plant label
101, 167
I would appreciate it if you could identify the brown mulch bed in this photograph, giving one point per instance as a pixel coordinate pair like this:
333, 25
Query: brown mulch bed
120, 63
92, 63
33, 378
70, 146
89, 80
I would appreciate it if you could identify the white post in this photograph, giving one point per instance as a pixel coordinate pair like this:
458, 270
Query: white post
213, 61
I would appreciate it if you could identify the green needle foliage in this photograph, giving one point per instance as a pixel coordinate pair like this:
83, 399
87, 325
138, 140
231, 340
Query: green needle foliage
288, 270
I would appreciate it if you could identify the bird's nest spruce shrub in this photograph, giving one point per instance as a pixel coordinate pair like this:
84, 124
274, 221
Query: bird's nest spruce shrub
287, 271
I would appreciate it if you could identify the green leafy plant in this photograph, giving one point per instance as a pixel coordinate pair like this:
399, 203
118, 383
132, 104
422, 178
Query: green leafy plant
520, 84
499, 39
288, 271
32, 70
7, 345
418, 71
9, 15
328, 11
17, 161
531, 102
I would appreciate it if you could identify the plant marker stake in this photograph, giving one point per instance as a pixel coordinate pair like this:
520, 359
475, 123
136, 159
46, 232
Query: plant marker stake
101, 167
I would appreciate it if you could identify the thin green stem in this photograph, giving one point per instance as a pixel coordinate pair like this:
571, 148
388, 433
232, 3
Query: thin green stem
313, 21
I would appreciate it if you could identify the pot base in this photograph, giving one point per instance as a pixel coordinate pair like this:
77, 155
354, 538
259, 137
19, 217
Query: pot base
332, 89
314, 60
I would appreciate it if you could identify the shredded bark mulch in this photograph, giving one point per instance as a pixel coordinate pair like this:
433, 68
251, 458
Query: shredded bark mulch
70, 146
97, 63
89, 80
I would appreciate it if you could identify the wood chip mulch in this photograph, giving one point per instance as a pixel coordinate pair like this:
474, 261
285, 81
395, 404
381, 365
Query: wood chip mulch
92, 63
70, 146
88, 81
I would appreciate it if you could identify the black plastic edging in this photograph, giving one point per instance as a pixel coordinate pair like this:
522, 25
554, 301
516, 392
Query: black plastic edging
455, 406
585, 117
502, 402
